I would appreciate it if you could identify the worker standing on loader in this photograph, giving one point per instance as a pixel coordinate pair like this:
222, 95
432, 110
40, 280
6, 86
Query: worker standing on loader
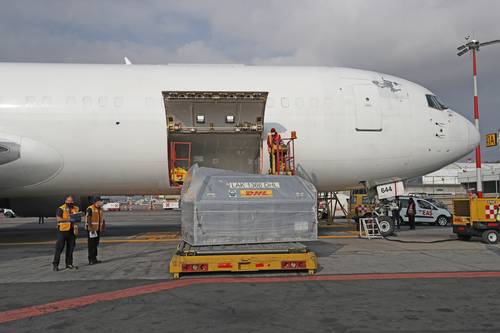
94, 225
273, 142
66, 232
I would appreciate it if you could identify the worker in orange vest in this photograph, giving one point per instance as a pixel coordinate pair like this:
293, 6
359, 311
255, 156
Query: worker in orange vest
67, 231
95, 225
273, 141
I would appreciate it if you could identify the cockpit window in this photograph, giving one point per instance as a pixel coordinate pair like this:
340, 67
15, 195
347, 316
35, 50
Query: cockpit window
435, 103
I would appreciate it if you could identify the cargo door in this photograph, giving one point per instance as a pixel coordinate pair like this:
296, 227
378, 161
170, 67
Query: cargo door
219, 129
367, 108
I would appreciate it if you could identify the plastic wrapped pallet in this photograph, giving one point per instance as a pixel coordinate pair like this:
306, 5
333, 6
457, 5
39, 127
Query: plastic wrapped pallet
224, 207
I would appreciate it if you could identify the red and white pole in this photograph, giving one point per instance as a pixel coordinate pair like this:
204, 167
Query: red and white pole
479, 186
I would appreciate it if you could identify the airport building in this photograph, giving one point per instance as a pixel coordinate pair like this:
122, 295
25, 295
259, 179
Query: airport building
491, 179
456, 179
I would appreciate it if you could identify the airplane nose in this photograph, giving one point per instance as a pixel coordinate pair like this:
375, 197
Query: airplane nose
464, 137
474, 137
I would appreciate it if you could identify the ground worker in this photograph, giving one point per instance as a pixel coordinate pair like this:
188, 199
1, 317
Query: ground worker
95, 225
396, 215
273, 141
67, 217
410, 212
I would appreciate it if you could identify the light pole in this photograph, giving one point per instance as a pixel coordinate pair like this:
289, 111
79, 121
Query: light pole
473, 46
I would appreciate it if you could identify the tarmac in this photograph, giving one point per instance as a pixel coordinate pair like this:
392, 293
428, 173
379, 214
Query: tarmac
425, 280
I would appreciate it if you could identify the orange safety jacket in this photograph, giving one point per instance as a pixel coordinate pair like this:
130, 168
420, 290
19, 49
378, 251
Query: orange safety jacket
273, 140
64, 224
95, 221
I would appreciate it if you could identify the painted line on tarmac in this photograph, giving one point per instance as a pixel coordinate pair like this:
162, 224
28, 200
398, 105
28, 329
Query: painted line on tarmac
339, 226
338, 236
113, 241
148, 240
78, 302
102, 241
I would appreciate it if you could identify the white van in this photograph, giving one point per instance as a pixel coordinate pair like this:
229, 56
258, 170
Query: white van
7, 212
170, 204
427, 211
111, 207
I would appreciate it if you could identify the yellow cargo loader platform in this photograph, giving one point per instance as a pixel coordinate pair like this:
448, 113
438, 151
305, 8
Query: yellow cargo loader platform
242, 258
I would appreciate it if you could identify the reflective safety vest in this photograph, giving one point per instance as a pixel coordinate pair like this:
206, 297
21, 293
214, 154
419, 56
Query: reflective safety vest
498, 214
94, 222
65, 225
273, 140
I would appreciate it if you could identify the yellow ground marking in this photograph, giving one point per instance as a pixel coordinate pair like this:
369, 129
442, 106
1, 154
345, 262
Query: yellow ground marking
30, 243
152, 237
102, 241
337, 225
158, 235
338, 236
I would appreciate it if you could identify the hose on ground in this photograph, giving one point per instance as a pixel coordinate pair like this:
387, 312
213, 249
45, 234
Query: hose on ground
421, 242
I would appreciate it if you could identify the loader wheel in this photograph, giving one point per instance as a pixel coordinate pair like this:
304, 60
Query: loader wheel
464, 237
490, 237
386, 225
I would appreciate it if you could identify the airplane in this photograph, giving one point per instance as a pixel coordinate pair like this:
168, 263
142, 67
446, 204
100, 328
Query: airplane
88, 129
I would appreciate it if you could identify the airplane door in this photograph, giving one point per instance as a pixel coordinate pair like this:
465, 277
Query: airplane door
367, 106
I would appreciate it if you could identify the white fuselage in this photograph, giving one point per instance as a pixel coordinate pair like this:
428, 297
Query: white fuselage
101, 129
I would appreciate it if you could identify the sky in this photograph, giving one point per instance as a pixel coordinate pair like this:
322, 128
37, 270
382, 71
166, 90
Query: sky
415, 40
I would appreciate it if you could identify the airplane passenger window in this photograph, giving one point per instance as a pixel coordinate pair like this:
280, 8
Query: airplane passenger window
435, 103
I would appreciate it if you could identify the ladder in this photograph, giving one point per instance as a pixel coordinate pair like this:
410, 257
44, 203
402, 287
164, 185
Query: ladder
369, 228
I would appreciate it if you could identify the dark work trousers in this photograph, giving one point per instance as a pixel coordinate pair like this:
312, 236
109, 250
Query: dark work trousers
93, 243
64, 238
411, 220
396, 218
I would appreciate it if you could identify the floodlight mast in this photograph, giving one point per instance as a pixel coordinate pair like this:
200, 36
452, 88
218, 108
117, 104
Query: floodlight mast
473, 46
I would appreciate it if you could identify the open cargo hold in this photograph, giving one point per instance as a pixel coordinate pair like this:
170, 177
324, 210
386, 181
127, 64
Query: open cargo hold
214, 129
227, 207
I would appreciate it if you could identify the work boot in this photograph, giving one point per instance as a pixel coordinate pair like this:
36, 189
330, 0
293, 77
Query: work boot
55, 268
71, 267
